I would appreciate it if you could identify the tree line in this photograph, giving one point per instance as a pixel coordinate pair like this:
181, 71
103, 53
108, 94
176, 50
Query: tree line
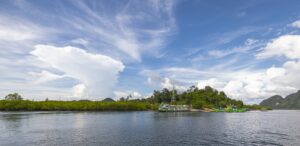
197, 98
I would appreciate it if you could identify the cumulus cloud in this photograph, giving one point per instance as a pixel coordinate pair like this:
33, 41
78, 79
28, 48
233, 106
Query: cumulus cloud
296, 24
248, 85
79, 90
125, 94
96, 73
172, 84
212, 82
291, 74
124, 31
244, 85
274, 80
282, 80
286, 45
235, 88
162, 79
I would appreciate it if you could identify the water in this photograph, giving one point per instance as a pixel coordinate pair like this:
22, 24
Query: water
149, 128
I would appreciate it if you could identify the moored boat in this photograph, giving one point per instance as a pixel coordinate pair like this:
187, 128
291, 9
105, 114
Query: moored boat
173, 108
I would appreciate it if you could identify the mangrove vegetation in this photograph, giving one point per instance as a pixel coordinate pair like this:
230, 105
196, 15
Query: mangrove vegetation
207, 98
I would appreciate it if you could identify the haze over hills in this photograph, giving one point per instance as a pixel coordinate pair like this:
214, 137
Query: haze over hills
291, 101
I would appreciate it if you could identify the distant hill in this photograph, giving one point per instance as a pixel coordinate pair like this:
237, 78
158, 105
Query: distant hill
108, 100
291, 101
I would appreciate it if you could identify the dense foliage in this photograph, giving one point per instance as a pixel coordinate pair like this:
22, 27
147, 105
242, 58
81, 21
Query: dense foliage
207, 98
257, 107
13, 96
198, 98
13, 105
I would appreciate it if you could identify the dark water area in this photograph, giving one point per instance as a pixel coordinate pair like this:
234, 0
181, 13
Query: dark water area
278, 127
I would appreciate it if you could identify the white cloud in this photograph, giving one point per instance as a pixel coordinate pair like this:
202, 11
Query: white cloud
296, 24
97, 73
212, 82
286, 45
247, 85
249, 44
274, 72
274, 80
9, 33
137, 28
171, 84
134, 94
164, 78
80, 41
259, 84
80, 91
14, 30
45, 76
234, 88
126, 33
291, 74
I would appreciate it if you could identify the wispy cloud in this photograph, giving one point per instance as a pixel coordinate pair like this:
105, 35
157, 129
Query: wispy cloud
17, 29
137, 28
248, 84
216, 42
233, 55
249, 44
126, 32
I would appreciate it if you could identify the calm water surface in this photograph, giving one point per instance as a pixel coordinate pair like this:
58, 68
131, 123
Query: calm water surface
149, 128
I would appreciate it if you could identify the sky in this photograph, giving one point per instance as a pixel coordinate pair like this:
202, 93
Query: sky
93, 49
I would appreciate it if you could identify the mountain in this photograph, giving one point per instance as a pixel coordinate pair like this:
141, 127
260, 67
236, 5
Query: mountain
108, 100
274, 101
291, 101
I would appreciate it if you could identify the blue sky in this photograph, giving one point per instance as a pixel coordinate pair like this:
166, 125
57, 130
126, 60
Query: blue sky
96, 49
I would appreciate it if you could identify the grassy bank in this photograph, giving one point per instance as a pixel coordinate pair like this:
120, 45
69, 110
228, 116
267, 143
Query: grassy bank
26, 105
257, 107
230, 110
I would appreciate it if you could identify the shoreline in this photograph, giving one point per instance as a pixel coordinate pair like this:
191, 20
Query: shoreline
191, 111
100, 106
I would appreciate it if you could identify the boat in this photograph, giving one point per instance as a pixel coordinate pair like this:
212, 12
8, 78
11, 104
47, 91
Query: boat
173, 108
232, 109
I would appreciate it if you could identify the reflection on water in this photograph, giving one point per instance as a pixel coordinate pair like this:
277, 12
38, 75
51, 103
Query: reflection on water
13, 121
149, 128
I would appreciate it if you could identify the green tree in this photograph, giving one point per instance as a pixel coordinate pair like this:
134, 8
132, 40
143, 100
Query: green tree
122, 99
13, 96
198, 98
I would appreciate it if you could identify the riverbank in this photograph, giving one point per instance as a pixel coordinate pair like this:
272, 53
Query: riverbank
27, 105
